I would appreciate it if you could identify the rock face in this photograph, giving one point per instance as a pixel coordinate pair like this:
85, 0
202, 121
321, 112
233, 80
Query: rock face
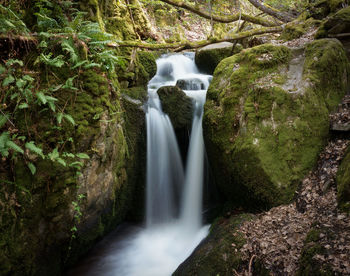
208, 57
177, 105
266, 118
343, 184
50, 219
36, 236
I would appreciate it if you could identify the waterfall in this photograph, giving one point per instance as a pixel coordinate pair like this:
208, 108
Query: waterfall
173, 197
191, 213
164, 168
165, 174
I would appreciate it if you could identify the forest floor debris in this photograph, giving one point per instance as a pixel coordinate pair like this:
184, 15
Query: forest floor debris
340, 120
277, 237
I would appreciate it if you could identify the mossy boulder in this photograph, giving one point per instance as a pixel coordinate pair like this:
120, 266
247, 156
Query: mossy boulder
218, 254
145, 68
335, 24
297, 28
177, 105
148, 61
343, 184
266, 118
208, 57
319, 9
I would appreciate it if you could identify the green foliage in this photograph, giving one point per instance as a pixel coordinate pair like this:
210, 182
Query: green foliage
6, 144
10, 22
83, 42
56, 62
65, 42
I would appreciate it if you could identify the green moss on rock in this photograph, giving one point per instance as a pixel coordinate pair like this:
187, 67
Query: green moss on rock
177, 105
148, 61
209, 57
297, 28
264, 135
343, 184
137, 92
216, 255
145, 68
319, 9
335, 24
35, 233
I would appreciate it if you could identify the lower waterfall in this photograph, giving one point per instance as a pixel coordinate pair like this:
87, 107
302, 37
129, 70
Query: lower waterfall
173, 226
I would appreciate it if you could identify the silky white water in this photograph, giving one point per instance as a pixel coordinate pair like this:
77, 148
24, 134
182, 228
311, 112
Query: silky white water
174, 225
173, 195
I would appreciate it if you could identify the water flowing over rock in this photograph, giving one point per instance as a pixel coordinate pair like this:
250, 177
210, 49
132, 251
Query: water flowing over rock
173, 195
176, 103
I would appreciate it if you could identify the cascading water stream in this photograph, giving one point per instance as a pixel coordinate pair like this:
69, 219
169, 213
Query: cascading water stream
173, 198
160, 198
164, 168
191, 213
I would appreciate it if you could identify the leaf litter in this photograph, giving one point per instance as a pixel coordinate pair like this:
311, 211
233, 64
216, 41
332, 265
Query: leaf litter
277, 237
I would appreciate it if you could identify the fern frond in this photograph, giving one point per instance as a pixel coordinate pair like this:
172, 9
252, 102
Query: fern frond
33, 148
68, 47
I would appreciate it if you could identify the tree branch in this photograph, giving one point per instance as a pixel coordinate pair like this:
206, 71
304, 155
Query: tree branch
270, 11
197, 44
221, 19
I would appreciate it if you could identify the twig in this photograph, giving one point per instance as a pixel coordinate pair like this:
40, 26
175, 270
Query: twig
7, 118
339, 35
235, 271
250, 265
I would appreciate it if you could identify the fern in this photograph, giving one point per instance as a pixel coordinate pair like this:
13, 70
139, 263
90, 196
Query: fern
63, 34
69, 84
4, 137
68, 47
83, 155
33, 148
59, 117
32, 168
3, 120
41, 97
69, 119
55, 62
8, 80
55, 156
10, 144
11, 22
23, 106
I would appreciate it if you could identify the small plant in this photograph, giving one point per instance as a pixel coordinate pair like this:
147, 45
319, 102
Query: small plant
10, 22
